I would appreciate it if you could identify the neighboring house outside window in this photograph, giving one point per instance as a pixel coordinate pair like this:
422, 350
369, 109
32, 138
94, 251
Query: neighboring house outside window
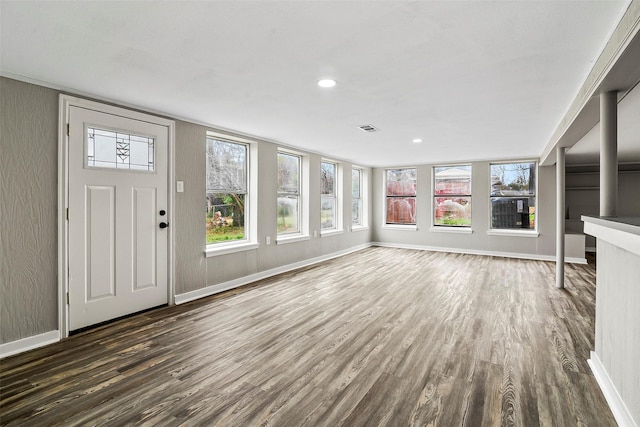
513, 195
226, 191
401, 196
452, 196
328, 194
289, 193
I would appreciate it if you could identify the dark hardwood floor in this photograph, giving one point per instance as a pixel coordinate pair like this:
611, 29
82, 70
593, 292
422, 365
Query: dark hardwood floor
380, 337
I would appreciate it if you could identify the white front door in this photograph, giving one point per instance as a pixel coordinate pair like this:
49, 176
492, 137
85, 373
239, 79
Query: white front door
118, 254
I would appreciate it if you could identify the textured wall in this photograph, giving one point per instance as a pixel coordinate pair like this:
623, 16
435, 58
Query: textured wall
479, 240
28, 209
190, 238
195, 271
28, 213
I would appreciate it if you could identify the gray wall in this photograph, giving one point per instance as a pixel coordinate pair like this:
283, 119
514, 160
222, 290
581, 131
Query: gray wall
28, 210
28, 213
583, 197
479, 240
194, 271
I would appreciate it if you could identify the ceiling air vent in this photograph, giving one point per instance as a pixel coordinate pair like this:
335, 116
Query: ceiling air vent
368, 128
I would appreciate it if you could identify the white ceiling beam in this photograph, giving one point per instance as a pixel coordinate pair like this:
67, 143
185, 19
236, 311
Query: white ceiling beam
617, 68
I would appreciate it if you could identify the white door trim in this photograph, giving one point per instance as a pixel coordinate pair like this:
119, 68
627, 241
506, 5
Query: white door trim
65, 102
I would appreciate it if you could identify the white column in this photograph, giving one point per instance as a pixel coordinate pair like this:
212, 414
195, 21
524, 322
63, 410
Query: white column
608, 153
560, 214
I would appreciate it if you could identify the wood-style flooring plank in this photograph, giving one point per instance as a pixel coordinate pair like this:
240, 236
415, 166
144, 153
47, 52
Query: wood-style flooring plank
381, 337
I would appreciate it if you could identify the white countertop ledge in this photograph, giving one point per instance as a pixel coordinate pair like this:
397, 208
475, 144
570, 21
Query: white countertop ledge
623, 232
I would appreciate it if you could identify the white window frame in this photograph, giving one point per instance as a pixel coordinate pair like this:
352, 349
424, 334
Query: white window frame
462, 229
395, 226
303, 200
337, 197
250, 241
515, 232
360, 199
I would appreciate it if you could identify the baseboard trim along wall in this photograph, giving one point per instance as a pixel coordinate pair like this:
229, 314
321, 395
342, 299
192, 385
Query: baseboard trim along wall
618, 408
29, 343
25, 344
245, 280
241, 281
36, 341
534, 257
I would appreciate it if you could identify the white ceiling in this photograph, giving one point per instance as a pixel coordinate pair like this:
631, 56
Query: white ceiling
474, 80
587, 150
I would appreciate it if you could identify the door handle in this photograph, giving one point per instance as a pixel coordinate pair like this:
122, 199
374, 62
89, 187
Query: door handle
164, 224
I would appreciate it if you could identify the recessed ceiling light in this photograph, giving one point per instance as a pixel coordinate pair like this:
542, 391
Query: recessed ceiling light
326, 83
417, 140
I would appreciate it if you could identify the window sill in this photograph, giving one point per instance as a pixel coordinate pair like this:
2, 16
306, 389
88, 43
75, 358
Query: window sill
359, 228
229, 248
330, 233
444, 229
513, 233
283, 240
400, 227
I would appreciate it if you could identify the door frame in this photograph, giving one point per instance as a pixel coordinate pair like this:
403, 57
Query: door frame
65, 103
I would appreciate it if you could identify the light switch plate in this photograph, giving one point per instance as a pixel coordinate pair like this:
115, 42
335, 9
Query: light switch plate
180, 186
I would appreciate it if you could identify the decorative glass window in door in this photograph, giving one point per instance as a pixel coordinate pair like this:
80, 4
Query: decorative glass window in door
118, 150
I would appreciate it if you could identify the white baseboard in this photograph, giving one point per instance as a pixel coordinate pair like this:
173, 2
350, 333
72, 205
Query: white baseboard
29, 343
620, 412
36, 341
535, 257
241, 281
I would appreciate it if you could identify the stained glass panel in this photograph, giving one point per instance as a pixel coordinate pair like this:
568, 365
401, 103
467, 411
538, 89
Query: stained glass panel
119, 150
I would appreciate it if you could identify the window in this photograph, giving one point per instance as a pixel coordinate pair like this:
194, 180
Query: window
289, 217
401, 196
356, 198
328, 194
226, 191
452, 196
117, 150
513, 195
